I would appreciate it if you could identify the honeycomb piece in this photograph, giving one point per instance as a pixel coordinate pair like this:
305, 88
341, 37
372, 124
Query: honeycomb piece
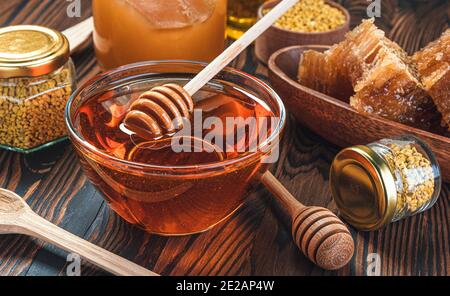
433, 63
354, 55
311, 71
337, 71
391, 90
374, 71
357, 53
316, 72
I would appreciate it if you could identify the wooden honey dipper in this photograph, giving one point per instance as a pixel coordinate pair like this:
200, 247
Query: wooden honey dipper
319, 233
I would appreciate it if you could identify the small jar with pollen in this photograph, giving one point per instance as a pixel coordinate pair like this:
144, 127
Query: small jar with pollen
385, 181
37, 78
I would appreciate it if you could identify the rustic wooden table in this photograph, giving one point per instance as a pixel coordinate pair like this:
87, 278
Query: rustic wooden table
255, 241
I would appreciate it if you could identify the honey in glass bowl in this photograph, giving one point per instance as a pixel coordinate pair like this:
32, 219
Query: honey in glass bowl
150, 184
128, 31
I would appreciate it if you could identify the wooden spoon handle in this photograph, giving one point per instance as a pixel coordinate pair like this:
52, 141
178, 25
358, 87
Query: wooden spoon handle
237, 47
79, 34
316, 231
33, 225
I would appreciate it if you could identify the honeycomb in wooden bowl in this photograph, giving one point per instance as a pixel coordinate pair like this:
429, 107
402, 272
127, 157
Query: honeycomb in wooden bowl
433, 63
373, 71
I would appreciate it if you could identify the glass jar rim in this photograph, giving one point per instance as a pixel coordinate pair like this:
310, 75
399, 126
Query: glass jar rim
271, 140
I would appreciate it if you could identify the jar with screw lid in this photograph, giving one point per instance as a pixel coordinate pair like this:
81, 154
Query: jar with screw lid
385, 181
37, 77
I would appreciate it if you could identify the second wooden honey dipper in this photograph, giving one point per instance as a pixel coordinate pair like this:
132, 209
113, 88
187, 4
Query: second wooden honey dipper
321, 236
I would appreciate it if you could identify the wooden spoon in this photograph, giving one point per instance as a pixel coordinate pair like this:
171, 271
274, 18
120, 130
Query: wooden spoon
16, 217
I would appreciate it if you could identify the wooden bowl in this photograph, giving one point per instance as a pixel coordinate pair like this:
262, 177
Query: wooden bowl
335, 120
276, 38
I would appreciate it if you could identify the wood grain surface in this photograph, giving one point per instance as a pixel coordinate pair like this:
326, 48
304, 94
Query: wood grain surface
255, 241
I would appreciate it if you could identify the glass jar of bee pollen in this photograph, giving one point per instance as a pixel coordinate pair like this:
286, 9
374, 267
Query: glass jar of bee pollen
385, 181
37, 78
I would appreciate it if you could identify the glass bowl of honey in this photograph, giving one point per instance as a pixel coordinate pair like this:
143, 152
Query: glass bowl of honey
181, 183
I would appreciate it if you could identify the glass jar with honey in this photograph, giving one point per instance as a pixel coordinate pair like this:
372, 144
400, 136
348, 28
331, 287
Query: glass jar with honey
128, 31
242, 14
385, 181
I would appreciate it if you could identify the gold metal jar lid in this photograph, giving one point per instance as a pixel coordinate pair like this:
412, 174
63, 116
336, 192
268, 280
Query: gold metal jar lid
363, 188
31, 51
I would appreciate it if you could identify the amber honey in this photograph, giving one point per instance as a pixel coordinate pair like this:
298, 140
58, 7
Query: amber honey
242, 14
173, 192
128, 31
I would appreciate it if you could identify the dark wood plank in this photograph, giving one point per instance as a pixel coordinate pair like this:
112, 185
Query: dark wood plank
255, 241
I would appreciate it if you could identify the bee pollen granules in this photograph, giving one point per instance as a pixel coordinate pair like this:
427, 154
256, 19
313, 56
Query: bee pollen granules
37, 78
311, 16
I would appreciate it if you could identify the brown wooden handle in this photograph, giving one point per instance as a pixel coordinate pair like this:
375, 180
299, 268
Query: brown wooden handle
318, 233
33, 225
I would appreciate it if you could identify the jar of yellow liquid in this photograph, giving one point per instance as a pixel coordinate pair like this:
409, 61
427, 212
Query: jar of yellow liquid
128, 31
242, 14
